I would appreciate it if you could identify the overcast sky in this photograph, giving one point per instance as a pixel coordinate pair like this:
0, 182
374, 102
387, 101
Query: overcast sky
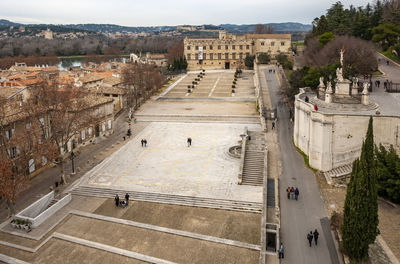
165, 12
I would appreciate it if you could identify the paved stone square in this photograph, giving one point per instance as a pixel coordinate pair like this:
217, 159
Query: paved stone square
168, 165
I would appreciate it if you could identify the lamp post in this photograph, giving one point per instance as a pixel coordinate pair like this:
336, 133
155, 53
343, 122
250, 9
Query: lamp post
72, 156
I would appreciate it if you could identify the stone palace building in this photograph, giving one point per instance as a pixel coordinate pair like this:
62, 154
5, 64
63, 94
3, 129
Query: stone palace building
229, 51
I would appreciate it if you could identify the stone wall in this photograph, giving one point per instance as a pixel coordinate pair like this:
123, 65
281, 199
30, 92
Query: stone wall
334, 140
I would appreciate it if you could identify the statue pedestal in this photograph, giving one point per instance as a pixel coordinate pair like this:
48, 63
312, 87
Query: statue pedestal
342, 89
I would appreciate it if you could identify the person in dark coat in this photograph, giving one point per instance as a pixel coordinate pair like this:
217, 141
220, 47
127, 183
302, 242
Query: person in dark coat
142, 142
127, 198
189, 141
310, 237
296, 193
288, 192
116, 200
316, 235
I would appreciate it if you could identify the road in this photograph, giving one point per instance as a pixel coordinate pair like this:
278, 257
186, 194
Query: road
308, 213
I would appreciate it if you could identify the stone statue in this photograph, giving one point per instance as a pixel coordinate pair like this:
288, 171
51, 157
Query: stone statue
342, 57
321, 82
355, 82
339, 74
365, 90
329, 88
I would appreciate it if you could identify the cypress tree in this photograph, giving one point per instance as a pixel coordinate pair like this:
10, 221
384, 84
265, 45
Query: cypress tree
360, 223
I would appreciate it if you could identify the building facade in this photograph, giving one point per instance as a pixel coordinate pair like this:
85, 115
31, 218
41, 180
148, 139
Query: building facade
229, 51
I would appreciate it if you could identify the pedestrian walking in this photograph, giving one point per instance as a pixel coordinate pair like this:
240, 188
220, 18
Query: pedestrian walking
273, 125
142, 141
310, 237
116, 200
129, 132
189, 141
288, 192
127, 198
291, 193
123, 138
316, 235
145, 142
387, 62
296, 193
281, 252
379, 83
385, 85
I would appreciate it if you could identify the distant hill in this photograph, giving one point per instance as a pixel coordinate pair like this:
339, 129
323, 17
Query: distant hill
7, 23
111, 28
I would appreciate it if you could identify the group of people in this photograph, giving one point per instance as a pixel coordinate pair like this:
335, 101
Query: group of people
311, 236
121, 203
144, 142
271, 70
293, 193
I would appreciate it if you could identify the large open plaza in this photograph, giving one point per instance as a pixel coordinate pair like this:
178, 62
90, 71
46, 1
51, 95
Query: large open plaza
167, 165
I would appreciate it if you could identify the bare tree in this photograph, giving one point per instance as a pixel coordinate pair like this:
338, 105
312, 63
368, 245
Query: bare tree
68, 112
359, 56
22, 144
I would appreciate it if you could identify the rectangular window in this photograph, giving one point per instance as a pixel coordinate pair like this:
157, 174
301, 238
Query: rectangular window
272, 43
211, 56
211, 47
109, 124
188, 47
226, 56
103, 126
83, 134
219, 47
247, 47
196, 56
241, 47
240, 56
197, 47
247, 54
226, 46
233, 47
188, 57
90, 131
282, 43
262, 43
205, 47
219, 56
234, 56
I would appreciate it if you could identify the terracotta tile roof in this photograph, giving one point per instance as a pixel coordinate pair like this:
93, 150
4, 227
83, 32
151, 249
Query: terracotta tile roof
112, 81
90, 78
111, 90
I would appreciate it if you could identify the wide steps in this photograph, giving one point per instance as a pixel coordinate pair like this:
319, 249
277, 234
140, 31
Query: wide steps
253, 169
171, 199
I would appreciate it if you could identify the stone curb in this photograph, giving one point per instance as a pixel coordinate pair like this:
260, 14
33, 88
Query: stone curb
168, 230
11, 260
111, 249
387, 250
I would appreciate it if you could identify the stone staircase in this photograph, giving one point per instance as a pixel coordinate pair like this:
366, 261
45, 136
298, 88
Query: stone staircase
171, 199
253, 168
337, 173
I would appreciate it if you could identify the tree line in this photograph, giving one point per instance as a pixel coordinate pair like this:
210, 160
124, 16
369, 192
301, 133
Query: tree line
379, 23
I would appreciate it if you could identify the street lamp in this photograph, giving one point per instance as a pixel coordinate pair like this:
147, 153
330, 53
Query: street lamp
72, 156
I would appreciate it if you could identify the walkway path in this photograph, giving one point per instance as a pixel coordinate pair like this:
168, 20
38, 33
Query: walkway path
306, 214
